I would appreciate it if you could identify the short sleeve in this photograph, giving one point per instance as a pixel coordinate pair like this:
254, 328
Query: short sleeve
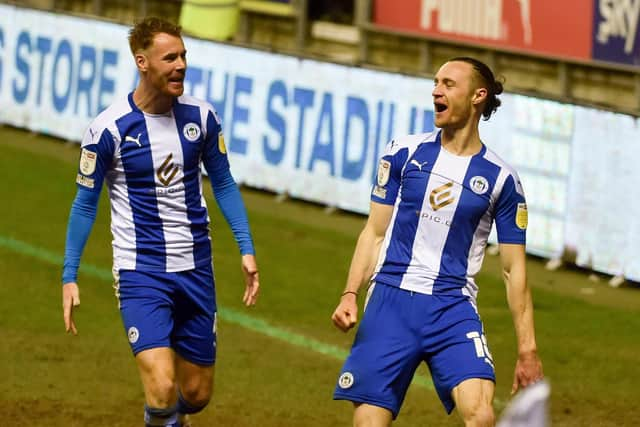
214, 149
511, 216
96, 155
389, 175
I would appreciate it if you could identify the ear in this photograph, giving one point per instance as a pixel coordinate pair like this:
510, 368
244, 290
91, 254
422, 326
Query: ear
141, 61
479, 95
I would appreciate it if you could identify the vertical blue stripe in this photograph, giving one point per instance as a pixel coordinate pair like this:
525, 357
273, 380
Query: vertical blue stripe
471, 207
139, 173
403, 234
191, 152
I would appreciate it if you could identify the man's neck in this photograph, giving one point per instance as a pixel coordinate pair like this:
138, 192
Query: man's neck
462, 141
151, 101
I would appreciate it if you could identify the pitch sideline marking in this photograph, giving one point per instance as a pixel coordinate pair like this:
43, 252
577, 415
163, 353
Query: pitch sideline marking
252, 323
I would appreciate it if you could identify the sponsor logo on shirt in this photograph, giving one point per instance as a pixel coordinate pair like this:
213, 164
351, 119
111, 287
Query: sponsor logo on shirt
418, 164
191, 132
441, 196
88, 161
434, 218
167, 171
135, 140
161, 191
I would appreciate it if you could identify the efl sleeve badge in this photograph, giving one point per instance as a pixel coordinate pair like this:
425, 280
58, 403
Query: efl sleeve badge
88, 161
384, 171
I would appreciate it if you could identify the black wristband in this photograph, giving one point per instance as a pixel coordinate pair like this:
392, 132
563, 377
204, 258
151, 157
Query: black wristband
349, 292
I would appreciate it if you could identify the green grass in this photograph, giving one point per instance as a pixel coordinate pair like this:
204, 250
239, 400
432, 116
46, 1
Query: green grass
588, 341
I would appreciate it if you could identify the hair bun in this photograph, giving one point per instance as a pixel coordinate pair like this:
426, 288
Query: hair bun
498, 86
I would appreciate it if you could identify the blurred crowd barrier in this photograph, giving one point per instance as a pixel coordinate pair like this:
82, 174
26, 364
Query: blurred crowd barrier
574, 51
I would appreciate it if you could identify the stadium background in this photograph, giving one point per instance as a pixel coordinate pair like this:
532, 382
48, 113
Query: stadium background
309, 92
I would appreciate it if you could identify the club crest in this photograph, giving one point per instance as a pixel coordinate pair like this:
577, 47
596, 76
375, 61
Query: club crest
133, 334
346, 380
479, 184
191, 132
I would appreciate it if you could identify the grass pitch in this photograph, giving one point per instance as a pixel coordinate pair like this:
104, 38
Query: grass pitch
271, 369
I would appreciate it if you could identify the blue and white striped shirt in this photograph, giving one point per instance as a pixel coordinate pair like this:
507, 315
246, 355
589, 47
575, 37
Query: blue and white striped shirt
444, 208
151, 166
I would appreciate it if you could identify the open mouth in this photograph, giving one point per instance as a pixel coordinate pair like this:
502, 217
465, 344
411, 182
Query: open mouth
439, 107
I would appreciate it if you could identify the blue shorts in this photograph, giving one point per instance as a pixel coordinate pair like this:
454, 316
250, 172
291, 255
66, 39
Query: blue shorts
176, 310
399, 330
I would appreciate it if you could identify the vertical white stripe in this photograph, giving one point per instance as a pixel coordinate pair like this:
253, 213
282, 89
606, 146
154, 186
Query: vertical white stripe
122, 224
433, 225
172, 206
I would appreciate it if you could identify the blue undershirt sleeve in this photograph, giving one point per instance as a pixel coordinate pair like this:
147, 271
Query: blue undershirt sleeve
230, 202
81, 219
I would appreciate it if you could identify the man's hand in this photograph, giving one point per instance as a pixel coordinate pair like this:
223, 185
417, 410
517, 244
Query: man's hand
251, 280
70, 299
346, 314
528, 371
